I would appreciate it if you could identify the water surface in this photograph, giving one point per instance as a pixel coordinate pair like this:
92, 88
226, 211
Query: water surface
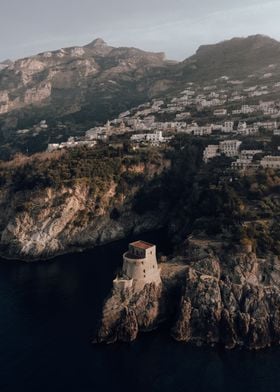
48, 313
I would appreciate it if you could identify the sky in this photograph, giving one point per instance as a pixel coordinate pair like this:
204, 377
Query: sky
176, 27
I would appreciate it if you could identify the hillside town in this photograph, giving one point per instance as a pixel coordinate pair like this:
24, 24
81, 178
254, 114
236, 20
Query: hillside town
230, 113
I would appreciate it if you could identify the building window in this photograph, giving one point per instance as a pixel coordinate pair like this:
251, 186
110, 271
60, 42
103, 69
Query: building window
144, 271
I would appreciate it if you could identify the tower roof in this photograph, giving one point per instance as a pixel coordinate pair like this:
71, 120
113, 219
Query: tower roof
141, 244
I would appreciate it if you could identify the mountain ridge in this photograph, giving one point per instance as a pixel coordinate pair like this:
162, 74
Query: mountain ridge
94, 82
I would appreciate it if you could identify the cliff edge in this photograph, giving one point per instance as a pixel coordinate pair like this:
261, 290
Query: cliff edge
230, 298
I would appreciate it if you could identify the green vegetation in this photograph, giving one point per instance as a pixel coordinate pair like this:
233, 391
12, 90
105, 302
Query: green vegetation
207, 200
94, 167
211, 200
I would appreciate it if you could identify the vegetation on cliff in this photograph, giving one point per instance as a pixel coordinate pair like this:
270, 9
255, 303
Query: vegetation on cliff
187, 195
213, 201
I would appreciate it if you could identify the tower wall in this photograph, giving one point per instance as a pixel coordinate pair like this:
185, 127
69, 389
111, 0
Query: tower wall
139, 267
142, 271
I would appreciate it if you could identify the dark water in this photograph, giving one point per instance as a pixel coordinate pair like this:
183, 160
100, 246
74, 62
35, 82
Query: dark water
48, 312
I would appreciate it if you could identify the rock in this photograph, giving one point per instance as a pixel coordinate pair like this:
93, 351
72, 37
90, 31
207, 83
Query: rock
39, 224
210, 310
182, 329
127, 329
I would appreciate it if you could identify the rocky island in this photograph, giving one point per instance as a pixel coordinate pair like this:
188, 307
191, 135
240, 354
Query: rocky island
208, 295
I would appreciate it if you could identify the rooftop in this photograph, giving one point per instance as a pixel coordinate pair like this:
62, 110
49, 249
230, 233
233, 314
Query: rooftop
141, 245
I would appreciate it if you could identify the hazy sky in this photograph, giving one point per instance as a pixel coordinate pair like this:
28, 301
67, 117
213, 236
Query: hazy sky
176, 27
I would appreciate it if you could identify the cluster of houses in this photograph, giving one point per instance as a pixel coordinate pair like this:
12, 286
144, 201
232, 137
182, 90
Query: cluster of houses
217, 97
72, 142
267, 108
154, 138
229, 110
243, 159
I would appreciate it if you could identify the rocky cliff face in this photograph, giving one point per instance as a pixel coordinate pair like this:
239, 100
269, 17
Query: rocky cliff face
226, 299
43, 222
64, 221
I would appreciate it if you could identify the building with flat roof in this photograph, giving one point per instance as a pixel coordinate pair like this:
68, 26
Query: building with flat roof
210, 152
230, 147
271, 162
139, 267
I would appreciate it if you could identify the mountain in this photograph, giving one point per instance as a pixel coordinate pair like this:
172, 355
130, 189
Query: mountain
238, 57
95, 81
92, 83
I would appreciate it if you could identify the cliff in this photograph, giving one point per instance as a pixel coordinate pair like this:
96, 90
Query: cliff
44, 213
228, 299
52, 203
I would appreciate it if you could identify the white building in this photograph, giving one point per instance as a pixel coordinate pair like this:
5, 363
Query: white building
230, 147
211, 151
202, 131
245, 109
269, 125
153, 138
242, 127
264, 105
53, 147
242, 164
249, 154
220, 112
139, 267
71, 143
228, 127
271, 162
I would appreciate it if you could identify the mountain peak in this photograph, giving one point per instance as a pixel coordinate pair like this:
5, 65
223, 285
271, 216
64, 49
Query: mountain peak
96, 43
99, 47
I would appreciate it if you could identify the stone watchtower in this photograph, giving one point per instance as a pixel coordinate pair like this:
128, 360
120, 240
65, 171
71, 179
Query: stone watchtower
139, 267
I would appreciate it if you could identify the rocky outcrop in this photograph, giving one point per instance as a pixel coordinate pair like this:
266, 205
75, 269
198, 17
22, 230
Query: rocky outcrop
61, 221
43, 222
206, 300
214, 311
126, 313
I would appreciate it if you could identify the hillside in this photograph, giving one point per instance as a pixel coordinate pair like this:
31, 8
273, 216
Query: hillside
54, 202
238, 58
91, 83
95, 82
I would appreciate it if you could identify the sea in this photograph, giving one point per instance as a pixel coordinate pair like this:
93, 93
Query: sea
49, 312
